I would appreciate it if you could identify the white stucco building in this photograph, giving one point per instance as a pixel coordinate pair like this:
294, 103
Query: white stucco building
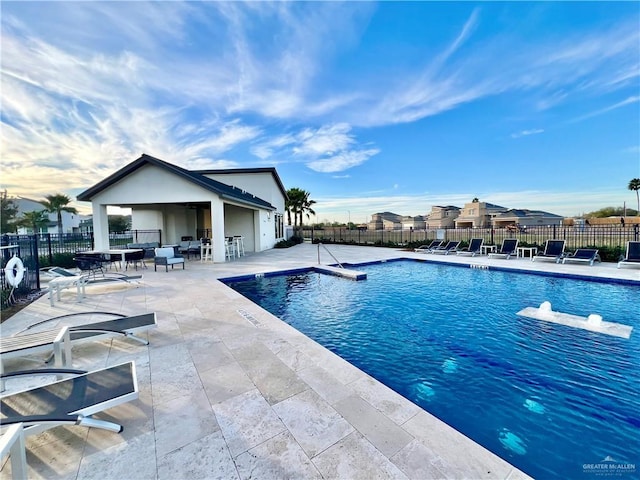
179, 202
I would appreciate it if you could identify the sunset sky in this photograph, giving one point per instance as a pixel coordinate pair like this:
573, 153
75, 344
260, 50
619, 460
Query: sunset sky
394, 106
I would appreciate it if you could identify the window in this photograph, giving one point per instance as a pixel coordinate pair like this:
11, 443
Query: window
279, 225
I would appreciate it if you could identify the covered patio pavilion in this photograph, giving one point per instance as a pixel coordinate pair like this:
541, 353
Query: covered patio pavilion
182, 203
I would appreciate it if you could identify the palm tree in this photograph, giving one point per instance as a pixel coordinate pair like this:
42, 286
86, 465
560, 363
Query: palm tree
57, 204
297, 205
293, 204
34, 220
305, 208
634, 184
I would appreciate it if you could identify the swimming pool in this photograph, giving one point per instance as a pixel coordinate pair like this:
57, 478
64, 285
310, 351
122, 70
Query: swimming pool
552, 400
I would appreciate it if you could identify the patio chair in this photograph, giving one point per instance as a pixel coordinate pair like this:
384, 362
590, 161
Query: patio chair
428, 248
73, 399
448, 248
583, 255
166, 256
195, 247
632, 256
89, 265
553, 250
183, 247
508, 248
474, 248
135, 259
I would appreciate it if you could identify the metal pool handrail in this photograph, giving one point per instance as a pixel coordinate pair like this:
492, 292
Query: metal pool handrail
331, 254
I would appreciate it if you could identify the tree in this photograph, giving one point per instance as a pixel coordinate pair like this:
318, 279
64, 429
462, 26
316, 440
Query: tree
35, 220
119, 223
609, 212
305, 208
293, 204
57, 204
634, 184
297, 205
8, 212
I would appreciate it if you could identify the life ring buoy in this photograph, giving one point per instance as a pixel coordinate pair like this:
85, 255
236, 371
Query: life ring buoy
14, 271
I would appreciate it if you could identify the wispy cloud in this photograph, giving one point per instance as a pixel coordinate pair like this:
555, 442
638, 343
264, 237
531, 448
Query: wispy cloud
602, 111
562, 70
524, 133
327, 149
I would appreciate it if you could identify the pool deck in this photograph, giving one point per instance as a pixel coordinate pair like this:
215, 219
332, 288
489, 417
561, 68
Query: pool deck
229, 391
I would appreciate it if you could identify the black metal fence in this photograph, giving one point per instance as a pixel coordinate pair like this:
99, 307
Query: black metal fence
603, 237
45, 249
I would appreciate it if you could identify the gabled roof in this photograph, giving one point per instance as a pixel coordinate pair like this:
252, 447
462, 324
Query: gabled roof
523, 212
493, 205
229, 171
225, 191
447, 207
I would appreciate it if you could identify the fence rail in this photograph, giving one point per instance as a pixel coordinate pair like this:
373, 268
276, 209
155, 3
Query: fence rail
604, 236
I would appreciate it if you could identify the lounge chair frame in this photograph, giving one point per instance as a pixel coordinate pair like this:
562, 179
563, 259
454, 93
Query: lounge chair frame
632, 256
451, 246
553, 250
474, 248
60, 341
429, 248
84, 394
583, 255
505, 250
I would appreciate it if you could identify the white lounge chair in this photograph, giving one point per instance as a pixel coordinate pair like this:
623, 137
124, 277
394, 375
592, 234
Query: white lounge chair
71, 400
59, 341
447, 249
508, 248
474, 248
428, 248
632, 256
553, 250
582, 255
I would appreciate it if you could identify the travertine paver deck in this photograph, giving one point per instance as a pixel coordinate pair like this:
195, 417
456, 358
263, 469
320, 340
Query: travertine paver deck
229, 391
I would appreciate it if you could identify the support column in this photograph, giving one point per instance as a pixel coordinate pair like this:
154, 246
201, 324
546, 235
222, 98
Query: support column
217, 230
100, 226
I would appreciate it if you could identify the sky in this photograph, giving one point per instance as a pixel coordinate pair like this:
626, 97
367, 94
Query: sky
370, 107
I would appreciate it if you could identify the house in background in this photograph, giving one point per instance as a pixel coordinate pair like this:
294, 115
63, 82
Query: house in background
181, 203
522, 218
70, 221
413, 223
442, 217
478, 214
385, 221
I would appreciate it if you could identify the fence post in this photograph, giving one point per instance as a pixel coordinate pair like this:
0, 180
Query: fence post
36, 259
49, 249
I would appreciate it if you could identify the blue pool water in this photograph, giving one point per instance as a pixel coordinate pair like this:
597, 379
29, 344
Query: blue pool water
549, 399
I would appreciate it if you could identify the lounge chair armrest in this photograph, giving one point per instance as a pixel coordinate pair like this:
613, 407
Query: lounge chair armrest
29, 420
42, 371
